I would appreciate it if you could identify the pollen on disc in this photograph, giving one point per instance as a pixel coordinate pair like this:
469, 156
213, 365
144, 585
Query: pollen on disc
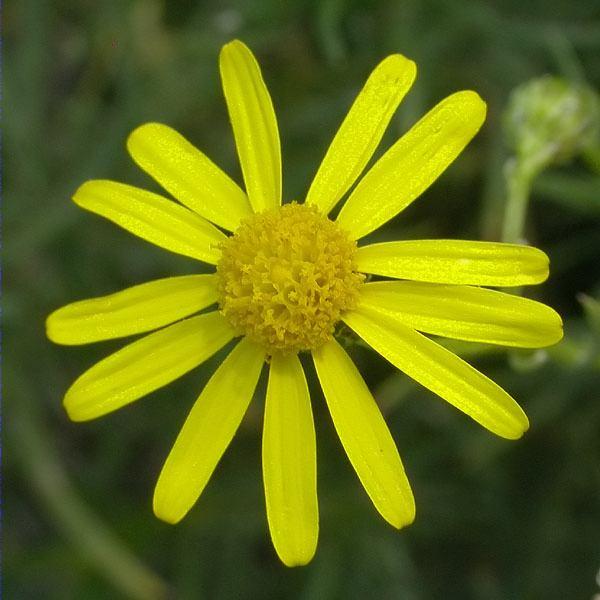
286, 276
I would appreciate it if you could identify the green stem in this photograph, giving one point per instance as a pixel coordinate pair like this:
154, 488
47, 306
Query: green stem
30, 444
518, 187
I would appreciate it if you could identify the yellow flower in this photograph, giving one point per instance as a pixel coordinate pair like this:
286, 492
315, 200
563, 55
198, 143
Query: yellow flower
284, 278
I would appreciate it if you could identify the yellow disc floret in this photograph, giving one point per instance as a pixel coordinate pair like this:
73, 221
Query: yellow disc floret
286, 276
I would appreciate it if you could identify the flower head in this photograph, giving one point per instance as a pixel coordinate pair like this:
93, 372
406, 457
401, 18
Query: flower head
285, 276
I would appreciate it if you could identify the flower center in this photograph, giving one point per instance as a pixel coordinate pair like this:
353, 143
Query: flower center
286, 276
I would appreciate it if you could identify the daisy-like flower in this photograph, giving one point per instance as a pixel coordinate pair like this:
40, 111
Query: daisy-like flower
285, 276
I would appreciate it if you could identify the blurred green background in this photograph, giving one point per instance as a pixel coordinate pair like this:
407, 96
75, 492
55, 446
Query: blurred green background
495, 519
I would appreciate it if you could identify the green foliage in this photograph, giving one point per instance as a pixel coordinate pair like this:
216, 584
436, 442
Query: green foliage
495, 519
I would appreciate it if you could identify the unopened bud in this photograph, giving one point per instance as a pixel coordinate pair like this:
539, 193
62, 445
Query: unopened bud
550, 120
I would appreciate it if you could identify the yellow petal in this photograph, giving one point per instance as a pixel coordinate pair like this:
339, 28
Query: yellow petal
188, 174
442, 372
413, 163
455, 261
137, 309
254, 125
465, 313
290, 463
364, 435
361, 131
146, 365
153, 218
208, 430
